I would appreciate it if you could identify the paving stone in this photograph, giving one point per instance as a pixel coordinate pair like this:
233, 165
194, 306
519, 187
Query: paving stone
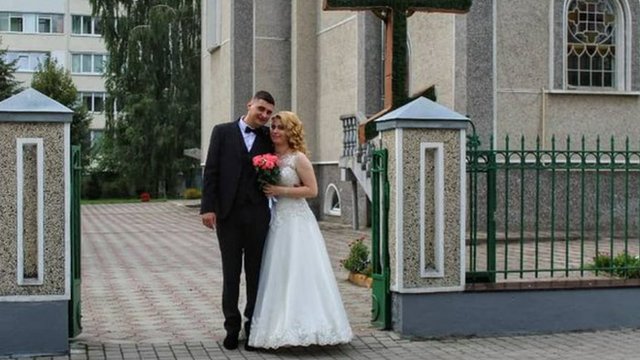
151, 290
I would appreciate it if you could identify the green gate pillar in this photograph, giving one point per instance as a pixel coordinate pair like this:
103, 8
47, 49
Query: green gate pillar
35, 263
426, 145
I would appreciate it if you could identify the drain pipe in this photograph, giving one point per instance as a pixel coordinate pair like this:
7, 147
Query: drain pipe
543, 117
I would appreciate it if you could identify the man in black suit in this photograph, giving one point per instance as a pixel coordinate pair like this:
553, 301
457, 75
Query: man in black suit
233, 204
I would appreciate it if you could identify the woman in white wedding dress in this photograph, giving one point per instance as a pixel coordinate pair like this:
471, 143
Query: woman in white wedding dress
298, 300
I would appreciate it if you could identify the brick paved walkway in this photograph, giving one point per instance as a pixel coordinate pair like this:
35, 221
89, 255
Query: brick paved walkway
152, 274
151, 290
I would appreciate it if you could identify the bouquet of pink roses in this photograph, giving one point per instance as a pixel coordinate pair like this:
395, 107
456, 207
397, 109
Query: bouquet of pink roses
267, 167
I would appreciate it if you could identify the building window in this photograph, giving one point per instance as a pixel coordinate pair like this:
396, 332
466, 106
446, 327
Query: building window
85, 25
94, 101
11, 22
56, 23
32, 23
332, 201
95, 135
88, 63
15, 24
44, 24
595, 44
26, 61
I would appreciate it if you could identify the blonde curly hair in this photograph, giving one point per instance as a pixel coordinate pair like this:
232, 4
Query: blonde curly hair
293, 130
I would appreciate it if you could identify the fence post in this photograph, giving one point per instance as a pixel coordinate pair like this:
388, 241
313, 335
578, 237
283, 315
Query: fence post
491, 216
34, 217
426, 144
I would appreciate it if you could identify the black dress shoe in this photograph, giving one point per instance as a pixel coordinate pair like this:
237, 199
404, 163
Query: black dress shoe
248, 347
231, 341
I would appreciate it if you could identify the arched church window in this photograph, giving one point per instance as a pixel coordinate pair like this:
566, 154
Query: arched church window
332, 201
595, 44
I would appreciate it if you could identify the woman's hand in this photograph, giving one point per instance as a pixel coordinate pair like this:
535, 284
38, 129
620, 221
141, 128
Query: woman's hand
273, 190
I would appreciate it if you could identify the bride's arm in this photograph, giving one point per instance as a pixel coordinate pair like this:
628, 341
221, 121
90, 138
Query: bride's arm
308, 187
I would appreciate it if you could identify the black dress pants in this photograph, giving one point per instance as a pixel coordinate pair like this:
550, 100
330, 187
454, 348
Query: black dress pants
241, 236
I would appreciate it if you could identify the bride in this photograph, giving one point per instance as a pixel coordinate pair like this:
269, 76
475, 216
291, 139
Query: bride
298, 300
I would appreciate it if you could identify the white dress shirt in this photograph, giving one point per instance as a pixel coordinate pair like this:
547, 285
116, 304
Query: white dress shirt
249, 137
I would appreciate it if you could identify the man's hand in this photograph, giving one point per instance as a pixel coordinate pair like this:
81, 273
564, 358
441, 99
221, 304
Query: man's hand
209, 220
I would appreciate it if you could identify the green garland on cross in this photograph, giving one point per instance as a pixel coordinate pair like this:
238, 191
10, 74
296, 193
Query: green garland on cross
395, 13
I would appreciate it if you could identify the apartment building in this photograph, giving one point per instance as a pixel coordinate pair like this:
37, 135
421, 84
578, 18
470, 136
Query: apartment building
32, 29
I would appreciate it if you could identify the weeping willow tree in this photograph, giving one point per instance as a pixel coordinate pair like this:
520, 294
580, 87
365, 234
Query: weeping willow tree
153, 83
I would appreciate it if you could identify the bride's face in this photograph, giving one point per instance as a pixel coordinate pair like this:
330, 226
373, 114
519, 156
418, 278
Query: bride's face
278, 132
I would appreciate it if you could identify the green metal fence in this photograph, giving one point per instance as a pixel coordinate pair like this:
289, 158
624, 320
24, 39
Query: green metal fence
567, 210
380, 294
75, 311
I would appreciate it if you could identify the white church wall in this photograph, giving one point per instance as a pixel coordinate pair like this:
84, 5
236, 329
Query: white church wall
531, 101
272, 50
518, 114
432, 50
304, 69
460, 67
591, 115
216, 74
337, 79
480, 59
522, 50
522, 69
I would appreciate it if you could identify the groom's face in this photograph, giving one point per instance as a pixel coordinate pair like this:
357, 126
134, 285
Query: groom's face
258, 113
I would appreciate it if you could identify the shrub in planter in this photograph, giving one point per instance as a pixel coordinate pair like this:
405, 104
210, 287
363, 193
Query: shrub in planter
192, 193
623, 265
358, 260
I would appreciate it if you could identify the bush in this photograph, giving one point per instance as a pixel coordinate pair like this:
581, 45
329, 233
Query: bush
116, 188
104, 185
91, 187
192, 193
358, 259
145, 197
623, 265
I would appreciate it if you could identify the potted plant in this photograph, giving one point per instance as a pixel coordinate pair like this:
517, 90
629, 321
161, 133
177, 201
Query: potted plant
358, 263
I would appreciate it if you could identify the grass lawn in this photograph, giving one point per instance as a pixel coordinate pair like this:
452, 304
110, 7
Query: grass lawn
116, 201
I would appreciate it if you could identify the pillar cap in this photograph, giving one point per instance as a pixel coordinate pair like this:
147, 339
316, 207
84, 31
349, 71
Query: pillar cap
422, 113
31, 105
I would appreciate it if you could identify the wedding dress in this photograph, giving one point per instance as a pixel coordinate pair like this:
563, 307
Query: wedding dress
298, 300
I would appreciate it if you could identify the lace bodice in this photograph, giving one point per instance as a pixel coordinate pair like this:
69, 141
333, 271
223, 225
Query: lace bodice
288, 175
287, 206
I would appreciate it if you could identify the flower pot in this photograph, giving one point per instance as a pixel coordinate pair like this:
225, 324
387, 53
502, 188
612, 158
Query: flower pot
360, 279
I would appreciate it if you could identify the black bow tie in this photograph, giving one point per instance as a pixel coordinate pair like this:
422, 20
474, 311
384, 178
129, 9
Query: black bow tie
250, 130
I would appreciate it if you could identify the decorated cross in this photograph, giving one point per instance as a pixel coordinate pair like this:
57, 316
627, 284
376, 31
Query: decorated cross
394, 13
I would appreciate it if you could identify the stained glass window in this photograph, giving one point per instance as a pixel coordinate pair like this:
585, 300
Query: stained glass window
591, 43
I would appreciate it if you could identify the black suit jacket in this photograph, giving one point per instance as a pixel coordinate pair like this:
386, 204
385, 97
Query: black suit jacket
223, 167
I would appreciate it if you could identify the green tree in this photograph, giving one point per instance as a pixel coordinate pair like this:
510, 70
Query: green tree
153, 79
8, 84
54, 81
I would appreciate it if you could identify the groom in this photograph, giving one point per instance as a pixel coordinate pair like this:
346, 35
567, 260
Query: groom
234, 205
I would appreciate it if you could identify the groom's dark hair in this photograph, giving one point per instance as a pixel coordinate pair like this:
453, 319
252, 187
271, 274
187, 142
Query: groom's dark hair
264, 95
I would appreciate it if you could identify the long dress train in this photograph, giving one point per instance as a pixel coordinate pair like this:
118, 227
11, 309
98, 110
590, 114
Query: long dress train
298, 300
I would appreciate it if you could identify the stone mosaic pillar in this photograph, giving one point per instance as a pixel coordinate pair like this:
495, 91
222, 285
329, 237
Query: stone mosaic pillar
426, 171
34, 224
